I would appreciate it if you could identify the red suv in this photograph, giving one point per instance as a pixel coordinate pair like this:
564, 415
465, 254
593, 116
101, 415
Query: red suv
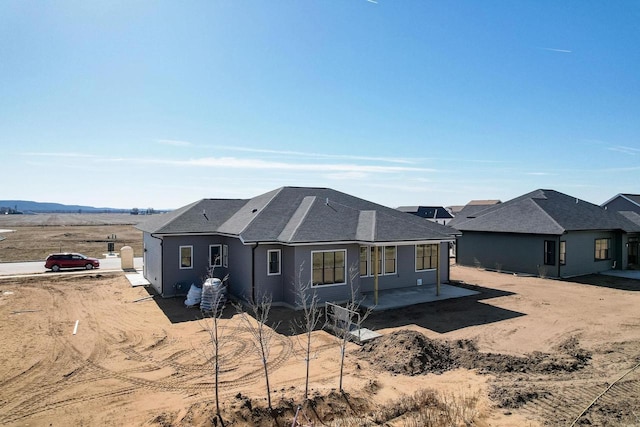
67, 260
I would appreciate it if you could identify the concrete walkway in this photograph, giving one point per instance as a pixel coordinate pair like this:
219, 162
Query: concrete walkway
404, 297
627, 274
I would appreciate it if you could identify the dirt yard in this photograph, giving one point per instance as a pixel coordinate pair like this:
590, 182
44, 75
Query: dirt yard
525, 351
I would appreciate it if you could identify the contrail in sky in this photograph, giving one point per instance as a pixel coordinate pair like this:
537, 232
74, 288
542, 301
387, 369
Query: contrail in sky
556, 50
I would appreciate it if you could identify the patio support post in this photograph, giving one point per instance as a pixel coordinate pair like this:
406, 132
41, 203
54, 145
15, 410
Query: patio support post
438, 269
375, 275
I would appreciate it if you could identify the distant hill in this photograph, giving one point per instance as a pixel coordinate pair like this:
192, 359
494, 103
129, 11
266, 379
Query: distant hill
25, 206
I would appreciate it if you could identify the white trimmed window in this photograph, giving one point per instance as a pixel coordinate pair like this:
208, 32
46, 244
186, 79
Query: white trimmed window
186, 257
390, 255
387, 259
329, 267
603, 247
426, 257
215, 255
364, 260
273, 262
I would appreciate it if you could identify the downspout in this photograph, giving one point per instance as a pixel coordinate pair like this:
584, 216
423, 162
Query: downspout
438, 269
253, 273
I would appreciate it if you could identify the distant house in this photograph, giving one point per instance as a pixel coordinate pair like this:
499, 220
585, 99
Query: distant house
292, 235
437, 214
623, 203
627, 205
548, 233
467, 211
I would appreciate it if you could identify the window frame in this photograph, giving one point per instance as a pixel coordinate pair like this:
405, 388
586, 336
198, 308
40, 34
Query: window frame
344, 268
598, 252
562, 253
367, 260
549, 252
182, 267
382, 260
225, 256
395, 260
272, 251
423, 256
218, 262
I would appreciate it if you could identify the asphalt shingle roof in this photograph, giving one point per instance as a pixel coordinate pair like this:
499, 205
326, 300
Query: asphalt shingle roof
431, 212
544, 212
298, 215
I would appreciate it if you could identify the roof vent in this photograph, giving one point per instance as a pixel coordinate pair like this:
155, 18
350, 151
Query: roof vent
204, 213
326, 201
576, 200
254, 210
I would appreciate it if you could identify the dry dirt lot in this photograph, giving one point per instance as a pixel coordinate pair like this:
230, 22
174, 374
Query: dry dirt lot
525, 351
33, 237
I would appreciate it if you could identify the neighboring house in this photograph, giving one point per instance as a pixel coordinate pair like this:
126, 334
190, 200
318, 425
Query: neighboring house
546, 233
293, 235
469, 210
627, 205
623, 203
437, 214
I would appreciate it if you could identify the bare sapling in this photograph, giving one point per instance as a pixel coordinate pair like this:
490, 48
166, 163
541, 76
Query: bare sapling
262, 336
212, 324
307, 301
215, 330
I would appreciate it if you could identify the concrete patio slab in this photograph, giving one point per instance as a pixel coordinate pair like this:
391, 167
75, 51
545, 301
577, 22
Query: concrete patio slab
403, 297
627, 274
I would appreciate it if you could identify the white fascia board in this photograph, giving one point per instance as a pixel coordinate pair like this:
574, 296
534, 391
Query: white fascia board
356, 242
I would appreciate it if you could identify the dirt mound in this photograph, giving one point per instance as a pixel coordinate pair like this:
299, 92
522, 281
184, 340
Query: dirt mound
408, 353
242, 410
513, 397
411, 353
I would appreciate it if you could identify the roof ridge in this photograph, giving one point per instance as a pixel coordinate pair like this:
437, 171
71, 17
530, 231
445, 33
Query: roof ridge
547, 213
241, 215
301, 212
366, 228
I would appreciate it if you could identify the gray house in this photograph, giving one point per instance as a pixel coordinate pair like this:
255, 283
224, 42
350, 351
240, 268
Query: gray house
431, 213
548, 233
623, 203
293, 235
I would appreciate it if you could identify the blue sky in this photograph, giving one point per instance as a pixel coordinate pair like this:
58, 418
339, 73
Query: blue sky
158, 104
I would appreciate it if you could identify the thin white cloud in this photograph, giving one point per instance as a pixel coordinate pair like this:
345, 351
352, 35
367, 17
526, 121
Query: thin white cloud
259, 164
233, 162
551, 49
350, 175
69, 155
173, 142
540, 174
625, 150
315, 155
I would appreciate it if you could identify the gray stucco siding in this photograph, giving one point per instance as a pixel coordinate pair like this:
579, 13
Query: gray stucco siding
240, 268
581, 252
173, 274
523, 253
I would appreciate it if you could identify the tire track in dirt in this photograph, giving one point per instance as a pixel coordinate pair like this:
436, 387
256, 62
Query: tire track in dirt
565, 402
